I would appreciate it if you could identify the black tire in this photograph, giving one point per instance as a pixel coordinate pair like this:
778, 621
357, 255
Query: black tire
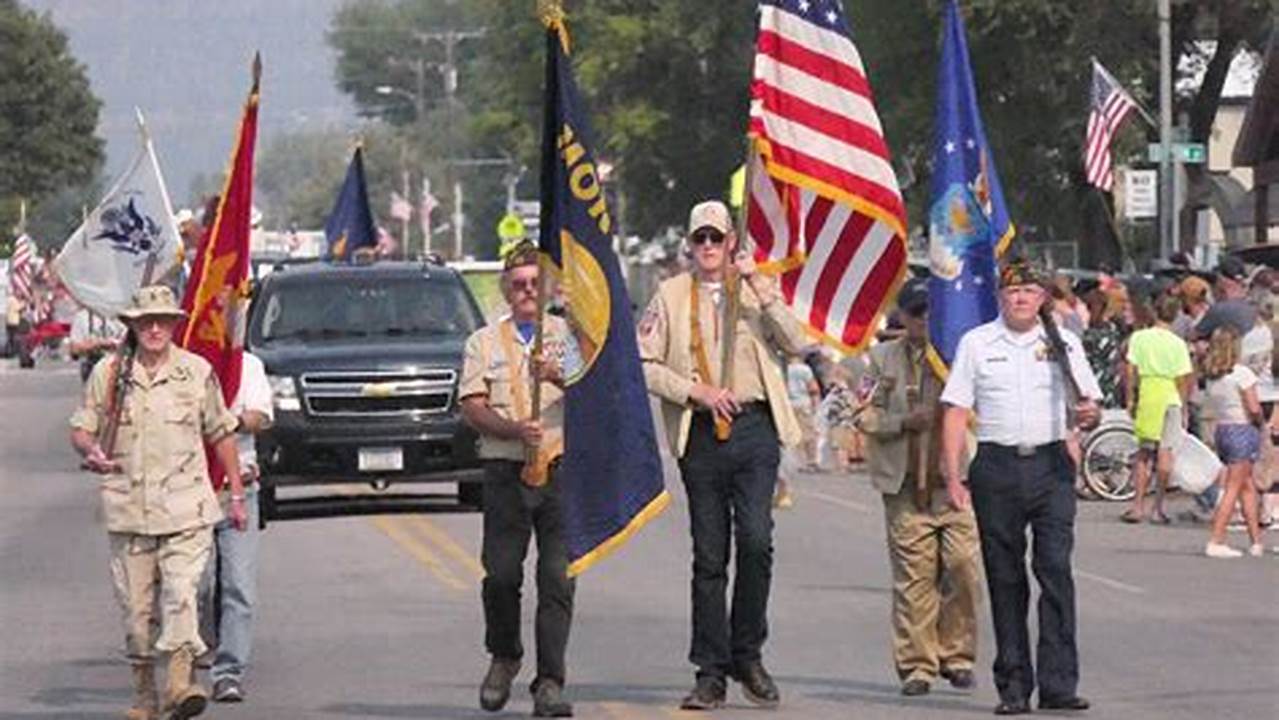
471, 493
1107, 463
266, 502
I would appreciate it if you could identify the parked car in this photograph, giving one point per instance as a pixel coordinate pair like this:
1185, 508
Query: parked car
364, 362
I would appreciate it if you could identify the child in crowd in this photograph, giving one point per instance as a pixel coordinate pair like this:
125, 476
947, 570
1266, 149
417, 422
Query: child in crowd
1231, 398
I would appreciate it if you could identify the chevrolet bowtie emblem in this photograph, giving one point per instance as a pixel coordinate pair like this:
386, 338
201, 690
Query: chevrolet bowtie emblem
379, 390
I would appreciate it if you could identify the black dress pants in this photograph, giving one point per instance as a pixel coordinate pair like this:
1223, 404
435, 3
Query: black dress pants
513, 512
1009, 493
730, 497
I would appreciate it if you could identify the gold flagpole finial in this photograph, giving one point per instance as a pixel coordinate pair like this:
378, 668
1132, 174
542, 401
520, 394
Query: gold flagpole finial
552, 15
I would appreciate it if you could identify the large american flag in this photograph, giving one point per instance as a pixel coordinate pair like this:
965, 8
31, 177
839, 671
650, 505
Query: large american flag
22, 268
824, 208
1111, 105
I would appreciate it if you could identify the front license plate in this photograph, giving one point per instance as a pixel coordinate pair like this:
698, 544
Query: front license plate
381, 459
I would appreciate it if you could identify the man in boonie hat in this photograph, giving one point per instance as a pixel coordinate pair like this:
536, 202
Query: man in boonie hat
157, 497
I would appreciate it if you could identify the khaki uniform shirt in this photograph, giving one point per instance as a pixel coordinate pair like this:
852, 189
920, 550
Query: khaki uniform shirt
898, 379
487, 370
670, 368
167, 417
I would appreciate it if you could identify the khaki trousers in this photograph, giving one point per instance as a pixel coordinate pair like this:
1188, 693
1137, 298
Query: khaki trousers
936, 584
171, 564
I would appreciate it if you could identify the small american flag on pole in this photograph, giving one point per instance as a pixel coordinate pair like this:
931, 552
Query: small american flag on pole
1111, 105
21, 268
824, 207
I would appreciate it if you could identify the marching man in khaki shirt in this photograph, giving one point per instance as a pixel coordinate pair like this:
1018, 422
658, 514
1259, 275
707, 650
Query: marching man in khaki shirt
729, 481
496, 395
932, 546
156, 496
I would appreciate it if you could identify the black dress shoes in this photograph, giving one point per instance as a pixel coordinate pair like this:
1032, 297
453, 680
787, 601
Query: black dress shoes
1070, 703
707, 694
757, 684
915, 687
962, 679
1012, 707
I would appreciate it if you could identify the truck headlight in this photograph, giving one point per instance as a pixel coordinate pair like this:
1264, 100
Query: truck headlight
285, 393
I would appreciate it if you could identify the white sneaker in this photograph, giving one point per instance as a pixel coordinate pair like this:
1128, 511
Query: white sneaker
1257, 550
1221, 550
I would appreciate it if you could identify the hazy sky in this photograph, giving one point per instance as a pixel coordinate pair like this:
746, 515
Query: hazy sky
186, 64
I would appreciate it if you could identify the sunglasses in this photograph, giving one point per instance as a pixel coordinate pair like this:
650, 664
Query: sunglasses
147, 322
701, 237
524, 284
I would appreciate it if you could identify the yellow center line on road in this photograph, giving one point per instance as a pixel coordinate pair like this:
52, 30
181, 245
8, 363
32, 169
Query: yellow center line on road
442, 540
419, 550
619, 711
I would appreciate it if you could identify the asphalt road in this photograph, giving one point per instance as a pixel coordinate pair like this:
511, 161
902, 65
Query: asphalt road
380, 617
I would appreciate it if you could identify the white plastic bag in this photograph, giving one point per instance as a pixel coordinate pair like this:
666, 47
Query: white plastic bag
1194, 465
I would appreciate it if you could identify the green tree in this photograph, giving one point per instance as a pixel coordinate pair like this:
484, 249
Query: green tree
48, 114
666, 82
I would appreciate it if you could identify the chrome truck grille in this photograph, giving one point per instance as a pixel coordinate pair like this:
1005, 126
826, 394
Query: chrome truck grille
378, 394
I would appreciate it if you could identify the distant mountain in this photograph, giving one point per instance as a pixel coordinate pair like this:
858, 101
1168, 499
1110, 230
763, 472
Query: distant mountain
186, 64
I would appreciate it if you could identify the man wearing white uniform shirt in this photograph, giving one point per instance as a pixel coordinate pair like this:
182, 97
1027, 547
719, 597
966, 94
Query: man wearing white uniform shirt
230, 584
1004, 372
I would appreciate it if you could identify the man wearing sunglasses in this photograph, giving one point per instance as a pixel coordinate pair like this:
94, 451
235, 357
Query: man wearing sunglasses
496, 396
729, 480
932, 545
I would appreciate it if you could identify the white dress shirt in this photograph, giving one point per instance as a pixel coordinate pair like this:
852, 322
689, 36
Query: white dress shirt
1016, 390
254, 394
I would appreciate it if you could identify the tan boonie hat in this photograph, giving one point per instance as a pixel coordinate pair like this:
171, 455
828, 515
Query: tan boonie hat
711, 214
152, 301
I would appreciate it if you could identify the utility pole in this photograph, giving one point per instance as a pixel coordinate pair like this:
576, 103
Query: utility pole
1167, 201
448, 69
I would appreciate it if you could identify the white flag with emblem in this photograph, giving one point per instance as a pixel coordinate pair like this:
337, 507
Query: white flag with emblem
106, 259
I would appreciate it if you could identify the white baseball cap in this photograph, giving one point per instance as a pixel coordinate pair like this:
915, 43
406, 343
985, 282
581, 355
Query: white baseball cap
711, 214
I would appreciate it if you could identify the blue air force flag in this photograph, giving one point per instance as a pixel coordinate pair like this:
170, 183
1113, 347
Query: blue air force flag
350, 226
968, 223
610, 475
129, 234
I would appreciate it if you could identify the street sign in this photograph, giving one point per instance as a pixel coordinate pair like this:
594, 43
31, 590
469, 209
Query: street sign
510, 227
1141, 194
1186, 153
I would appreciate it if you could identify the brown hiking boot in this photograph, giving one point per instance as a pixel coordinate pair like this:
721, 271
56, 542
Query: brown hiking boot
185, 698
146, 706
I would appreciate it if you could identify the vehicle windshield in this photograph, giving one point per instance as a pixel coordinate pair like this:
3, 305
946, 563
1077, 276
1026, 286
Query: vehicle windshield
377, 306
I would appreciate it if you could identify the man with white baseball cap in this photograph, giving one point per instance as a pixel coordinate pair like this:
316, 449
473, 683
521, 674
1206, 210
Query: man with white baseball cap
727, 433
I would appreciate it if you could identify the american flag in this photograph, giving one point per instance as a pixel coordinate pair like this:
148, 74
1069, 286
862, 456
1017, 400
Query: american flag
21, 268
824, 210
1110, 107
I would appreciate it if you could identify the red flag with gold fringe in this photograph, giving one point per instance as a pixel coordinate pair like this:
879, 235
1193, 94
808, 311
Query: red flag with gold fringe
219, 275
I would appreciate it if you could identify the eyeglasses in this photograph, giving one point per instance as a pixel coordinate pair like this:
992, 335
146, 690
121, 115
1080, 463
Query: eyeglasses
147, 321
524, 284
701, 237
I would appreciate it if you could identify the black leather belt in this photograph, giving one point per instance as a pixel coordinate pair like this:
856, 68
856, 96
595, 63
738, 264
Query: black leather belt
1022, 451
747, 408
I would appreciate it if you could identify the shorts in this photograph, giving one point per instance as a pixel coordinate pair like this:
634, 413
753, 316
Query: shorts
1238, 442
1172, 425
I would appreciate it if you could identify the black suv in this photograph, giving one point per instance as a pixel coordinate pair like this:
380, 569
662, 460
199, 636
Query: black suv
364, 363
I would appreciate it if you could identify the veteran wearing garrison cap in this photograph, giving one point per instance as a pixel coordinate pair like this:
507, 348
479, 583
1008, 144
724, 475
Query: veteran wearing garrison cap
1006, 374
156, 495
